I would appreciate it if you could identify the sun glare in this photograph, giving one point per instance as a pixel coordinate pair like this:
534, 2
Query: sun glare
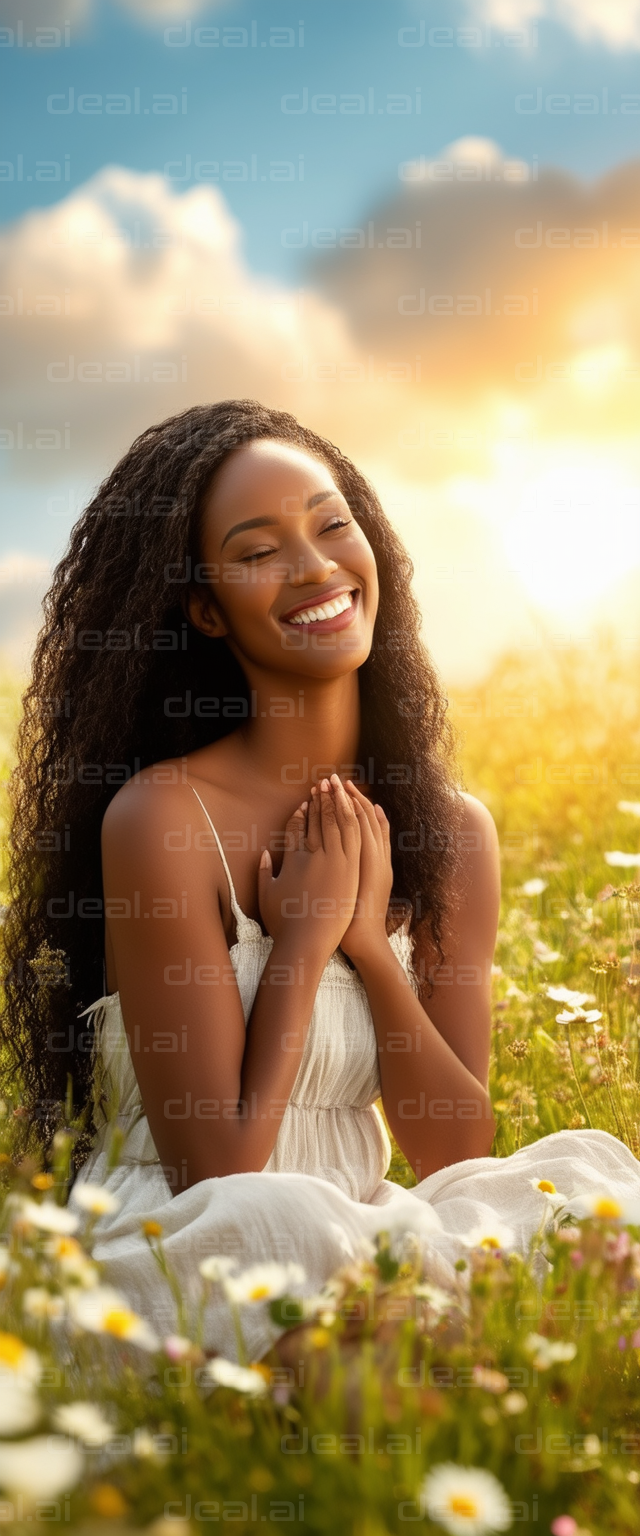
574, 530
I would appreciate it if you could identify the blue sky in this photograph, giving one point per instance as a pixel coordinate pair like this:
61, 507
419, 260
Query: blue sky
265, 139
234, 94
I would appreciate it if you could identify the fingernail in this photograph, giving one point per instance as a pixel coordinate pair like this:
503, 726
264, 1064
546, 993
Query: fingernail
335, 779
304, 805
325, 784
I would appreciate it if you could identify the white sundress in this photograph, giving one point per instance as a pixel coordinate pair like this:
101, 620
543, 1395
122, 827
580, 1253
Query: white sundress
323, 1189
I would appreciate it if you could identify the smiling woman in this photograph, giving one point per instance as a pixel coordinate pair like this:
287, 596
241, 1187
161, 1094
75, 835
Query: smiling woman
240, 875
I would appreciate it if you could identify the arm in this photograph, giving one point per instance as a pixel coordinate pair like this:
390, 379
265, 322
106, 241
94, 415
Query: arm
434, 1054
213, 1092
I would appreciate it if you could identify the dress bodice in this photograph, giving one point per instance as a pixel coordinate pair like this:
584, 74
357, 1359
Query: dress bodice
330, 1126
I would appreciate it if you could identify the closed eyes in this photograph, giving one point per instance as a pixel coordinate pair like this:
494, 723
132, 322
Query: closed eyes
258, 554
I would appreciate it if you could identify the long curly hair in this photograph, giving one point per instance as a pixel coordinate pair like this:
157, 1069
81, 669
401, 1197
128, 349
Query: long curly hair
114, 645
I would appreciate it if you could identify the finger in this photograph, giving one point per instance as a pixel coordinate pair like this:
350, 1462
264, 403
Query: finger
331, 839
297, 827
314, 833
385, 825
345, 813
366, 807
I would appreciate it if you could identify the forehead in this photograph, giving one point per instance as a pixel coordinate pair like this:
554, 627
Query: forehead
267, 472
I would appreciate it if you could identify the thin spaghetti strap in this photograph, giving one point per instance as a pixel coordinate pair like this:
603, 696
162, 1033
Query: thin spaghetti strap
238, 913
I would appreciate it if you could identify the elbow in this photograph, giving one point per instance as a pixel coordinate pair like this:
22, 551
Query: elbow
474, 1137
482, 1132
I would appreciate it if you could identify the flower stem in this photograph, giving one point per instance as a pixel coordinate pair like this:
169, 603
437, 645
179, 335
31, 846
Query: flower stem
577, 1079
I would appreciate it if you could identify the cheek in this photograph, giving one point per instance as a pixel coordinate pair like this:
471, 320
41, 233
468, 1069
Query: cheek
246, 597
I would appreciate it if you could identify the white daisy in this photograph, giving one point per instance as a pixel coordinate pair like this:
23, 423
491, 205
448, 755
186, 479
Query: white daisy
465, 1500
534, 887
566, 995
145, 1445
38, 1302
440, 1301
95, 1199
105, 1310
490, 1234
544, 954
85, 1422
622, 860
632, 807
40, 1468
547, 1188
46, 1215
19, 1405
607, 1205
225, 1373
17, 1360
548, 1352
217, 1267
578, 1016
72, 1260
263, 1282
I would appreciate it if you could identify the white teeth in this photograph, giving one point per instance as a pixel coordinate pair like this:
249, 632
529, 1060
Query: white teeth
327, 611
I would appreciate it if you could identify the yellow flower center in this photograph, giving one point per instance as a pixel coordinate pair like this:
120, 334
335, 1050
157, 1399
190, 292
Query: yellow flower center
152, 1229
107, 1500
259, 1292
119, 1323
490, 1242
43, 1181
547, 1187
12, 1351
66, 1247
606, 1207
262, 1370
462, 1504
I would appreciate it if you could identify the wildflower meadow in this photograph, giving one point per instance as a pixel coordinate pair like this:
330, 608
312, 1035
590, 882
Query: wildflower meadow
511, 1404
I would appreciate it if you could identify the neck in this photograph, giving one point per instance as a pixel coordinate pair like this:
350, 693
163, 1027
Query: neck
301, 729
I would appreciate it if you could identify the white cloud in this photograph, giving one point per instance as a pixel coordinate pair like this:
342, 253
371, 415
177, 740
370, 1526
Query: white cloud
128, 301
616, 23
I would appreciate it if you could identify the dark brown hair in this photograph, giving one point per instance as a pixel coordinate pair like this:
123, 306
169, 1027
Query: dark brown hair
114, 648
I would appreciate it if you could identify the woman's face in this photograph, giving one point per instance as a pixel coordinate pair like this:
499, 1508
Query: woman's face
279, 542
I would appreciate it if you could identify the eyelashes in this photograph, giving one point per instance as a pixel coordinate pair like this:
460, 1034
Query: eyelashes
259, 554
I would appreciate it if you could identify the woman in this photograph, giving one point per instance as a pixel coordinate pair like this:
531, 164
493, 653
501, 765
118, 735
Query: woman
235, 775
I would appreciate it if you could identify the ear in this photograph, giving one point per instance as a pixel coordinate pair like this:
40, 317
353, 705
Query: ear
203, 612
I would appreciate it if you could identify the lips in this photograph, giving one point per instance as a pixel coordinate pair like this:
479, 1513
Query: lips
303, 616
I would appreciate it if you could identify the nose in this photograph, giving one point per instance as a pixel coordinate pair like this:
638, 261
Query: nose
309, 564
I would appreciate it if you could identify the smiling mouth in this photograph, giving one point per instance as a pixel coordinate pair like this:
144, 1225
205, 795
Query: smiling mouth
334, 613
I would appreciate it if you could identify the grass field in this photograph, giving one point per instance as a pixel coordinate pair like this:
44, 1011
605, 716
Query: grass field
536, 1384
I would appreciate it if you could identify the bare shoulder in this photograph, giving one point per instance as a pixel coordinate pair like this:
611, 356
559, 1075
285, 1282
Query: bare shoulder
154, 799
479, 868
479, 831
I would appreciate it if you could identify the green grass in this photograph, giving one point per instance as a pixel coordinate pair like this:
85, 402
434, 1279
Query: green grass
551, 745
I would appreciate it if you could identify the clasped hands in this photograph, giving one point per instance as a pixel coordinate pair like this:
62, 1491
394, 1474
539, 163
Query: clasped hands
336, 876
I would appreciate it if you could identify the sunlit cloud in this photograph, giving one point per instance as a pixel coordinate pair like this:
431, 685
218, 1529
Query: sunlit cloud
509, 280
505, 453
127, 301
616, 23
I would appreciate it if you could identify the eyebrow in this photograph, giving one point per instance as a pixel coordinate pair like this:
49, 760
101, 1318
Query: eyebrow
270, 522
